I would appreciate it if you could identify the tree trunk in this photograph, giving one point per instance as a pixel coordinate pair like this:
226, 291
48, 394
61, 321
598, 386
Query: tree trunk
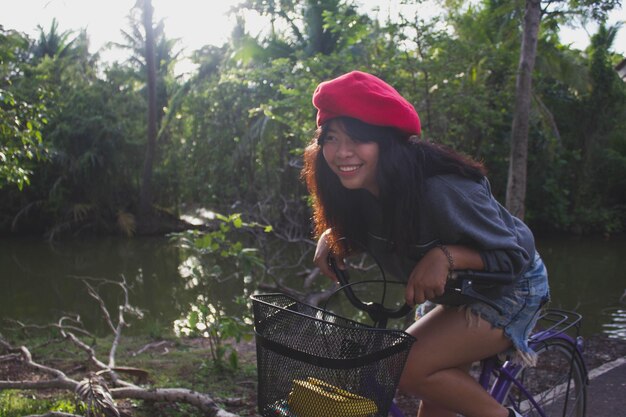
516, 187
145, 195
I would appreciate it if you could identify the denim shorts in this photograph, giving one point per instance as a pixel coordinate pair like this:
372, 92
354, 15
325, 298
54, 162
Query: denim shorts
520, 303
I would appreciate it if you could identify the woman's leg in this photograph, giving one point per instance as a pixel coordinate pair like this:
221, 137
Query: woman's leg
435, 369
432, 409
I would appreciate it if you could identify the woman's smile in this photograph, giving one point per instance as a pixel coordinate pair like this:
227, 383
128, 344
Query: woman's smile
349, 168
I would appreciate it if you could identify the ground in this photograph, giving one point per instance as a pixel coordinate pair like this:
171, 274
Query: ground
183, 362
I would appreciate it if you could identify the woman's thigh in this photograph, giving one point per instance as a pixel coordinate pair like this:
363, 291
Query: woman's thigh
445, 338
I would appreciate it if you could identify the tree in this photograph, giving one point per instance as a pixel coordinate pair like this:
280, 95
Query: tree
21, 117
516, 187
599, 198
313, 24
88, 182
52, 43
145, 196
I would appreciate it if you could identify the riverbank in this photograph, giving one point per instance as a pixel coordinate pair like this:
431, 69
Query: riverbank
185, 363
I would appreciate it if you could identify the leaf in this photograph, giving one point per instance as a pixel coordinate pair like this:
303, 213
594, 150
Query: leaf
193, 320
94, 392
233, 359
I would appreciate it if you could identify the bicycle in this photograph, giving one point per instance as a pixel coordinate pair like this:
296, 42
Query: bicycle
353, 369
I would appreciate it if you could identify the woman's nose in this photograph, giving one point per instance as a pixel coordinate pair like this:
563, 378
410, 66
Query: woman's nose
346, 148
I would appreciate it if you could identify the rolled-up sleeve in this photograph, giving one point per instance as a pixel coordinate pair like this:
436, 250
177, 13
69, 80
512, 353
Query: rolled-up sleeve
462, 211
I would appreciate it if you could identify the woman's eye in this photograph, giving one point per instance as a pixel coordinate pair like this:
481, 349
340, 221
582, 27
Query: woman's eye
330, 139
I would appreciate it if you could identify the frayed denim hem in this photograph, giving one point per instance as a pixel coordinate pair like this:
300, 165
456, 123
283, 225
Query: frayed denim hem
518, 353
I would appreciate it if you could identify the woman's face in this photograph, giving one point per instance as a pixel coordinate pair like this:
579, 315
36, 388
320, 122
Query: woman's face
354, 162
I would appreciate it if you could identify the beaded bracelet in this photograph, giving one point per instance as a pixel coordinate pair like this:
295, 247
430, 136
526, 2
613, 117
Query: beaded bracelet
446, 252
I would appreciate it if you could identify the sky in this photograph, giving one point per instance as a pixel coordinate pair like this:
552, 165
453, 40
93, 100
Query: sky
195, 22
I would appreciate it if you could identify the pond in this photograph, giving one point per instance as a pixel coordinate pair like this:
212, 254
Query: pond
40, 282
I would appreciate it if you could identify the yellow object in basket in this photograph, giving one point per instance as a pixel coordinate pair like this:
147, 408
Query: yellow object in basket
315, 398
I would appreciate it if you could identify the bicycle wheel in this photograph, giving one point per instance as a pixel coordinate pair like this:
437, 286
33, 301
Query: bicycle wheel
557, 384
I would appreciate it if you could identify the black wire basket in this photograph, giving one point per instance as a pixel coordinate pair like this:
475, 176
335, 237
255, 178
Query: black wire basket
312, 363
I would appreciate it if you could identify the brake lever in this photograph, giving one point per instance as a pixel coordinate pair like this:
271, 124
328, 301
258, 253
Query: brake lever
462, 282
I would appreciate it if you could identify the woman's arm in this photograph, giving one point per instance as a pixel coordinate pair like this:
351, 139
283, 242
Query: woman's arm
461, 210
322, 251
428, 278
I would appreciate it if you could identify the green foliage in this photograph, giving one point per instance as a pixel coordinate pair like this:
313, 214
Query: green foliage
20, 139
212, 259
231, 133
220, 329
14, 403
21, 117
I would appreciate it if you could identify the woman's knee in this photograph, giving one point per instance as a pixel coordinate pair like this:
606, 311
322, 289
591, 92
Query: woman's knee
415, 375
417, 372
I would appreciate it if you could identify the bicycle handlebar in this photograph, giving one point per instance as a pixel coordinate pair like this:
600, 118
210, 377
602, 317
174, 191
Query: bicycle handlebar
460, 282
377, 312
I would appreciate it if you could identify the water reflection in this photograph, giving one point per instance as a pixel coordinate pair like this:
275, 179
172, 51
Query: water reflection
615, 326
38, 282
587, 274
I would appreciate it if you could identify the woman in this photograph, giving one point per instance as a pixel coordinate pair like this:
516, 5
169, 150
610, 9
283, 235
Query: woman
425, 210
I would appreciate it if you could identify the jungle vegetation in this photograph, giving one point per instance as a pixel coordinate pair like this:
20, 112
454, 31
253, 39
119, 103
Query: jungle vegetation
90, 147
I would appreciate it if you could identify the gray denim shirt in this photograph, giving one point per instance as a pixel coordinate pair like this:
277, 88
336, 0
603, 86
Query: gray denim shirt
456, 210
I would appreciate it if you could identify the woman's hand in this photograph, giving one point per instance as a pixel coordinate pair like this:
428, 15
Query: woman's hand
322, 251
428, 278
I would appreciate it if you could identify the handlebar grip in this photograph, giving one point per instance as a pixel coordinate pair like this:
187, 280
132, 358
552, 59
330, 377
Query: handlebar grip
483, 277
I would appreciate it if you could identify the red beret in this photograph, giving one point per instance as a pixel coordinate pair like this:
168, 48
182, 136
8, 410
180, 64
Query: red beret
365, 97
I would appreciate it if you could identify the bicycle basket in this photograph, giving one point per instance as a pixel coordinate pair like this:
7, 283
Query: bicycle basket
312, 363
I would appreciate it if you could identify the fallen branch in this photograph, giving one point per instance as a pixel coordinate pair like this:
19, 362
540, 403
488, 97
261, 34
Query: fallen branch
151, 345
202, 401
93, 389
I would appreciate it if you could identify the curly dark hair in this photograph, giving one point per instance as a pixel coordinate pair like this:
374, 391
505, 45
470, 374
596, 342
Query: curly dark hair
404, 163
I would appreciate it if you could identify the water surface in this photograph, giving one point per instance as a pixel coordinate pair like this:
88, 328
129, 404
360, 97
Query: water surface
40, 282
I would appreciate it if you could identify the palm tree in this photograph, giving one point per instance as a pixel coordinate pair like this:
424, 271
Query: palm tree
145, 195
52, 43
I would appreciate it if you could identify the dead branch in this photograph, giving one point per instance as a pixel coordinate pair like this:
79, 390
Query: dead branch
94, 384
312, 274
23, 355
312, 298
152, 345
121, 322
202, 401
18, 325
39, 385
